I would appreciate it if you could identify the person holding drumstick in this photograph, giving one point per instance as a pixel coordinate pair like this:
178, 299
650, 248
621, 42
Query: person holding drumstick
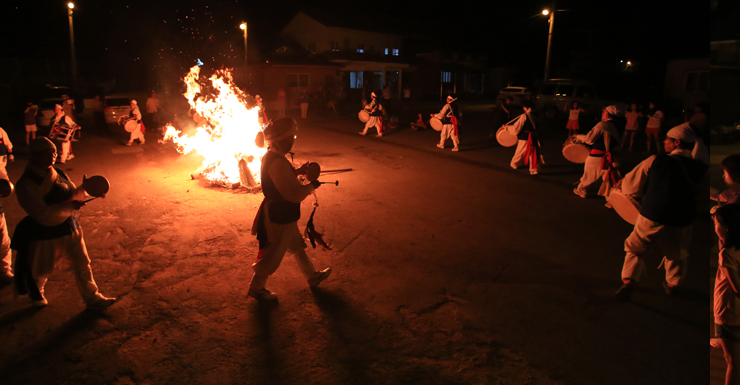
50, 235
375, 107
449, 116
604, 133
276, 223
666, 183
138, 132
528, 145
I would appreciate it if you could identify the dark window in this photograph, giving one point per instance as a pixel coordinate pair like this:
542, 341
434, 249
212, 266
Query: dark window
565, 90
585, 92
548, 89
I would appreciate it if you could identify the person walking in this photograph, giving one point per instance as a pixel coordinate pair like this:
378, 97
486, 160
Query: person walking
603, 139
573, 114
652, 129
666, 185
376, 110
633, 124
138, 132
449, 116
528, 151
152, 110
29, 119
50, 235
276, 222
304, 99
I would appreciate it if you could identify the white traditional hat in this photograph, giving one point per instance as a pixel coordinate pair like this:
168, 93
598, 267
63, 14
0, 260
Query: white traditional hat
133, 101
682, 132
611, 110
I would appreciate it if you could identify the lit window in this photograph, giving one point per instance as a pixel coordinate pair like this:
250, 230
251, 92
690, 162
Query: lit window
395, 51
335, 46
355, 79
446, 77
386, 51
360, 48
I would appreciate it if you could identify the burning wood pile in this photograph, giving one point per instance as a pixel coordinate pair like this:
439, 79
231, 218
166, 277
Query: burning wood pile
227, 125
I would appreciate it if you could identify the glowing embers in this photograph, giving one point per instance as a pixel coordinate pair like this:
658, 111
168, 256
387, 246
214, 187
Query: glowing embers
225, 131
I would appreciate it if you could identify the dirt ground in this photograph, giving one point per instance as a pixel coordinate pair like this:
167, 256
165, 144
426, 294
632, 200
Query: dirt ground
433, 282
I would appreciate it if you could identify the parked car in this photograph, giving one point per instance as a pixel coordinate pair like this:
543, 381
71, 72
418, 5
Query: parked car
517, 94
115, 107
556, 94
53, 95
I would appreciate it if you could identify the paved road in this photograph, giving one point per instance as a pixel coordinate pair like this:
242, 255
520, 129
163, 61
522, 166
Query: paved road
448, 268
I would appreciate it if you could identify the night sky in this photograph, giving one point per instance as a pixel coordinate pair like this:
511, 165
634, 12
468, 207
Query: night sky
143, 41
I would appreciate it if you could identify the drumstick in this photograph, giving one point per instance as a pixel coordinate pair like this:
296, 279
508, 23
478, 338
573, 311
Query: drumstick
338, 170
336, 183
90, 199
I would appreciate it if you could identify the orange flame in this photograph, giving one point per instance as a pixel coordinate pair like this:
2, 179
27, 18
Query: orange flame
227, 132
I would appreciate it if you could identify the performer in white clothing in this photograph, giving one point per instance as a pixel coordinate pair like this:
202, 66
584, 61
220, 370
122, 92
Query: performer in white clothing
603, 138
528, 151
449, 116
62, 120
276, 223
375, 107
137, 133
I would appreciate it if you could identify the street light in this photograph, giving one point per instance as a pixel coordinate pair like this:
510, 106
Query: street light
243, 26
549, 39
70, 7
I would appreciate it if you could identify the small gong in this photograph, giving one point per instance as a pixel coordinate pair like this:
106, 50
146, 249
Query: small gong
313, 171
96, 186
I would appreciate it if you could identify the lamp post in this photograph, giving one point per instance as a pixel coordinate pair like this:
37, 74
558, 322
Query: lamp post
70, 7
243, 26
549, 40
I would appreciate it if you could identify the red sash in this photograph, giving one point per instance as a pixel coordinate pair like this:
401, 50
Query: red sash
453, 120
382, 127
142, 127
532, 152
606, 164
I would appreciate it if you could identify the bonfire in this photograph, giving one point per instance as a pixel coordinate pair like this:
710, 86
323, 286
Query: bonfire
225, 132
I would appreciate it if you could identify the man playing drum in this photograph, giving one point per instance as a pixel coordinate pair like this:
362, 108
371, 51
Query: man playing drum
138, 132
276, 223
63, 122
50, 236
667, 184
528, 146
593, 171
448, 115
375, 108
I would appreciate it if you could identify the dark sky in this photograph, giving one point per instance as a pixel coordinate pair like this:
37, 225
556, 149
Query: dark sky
163, 36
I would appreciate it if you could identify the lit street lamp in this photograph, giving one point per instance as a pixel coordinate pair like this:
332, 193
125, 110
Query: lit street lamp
243, 26
549, 40
70, 7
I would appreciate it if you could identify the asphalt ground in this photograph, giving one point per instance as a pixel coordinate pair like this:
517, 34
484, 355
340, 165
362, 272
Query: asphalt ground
449, 268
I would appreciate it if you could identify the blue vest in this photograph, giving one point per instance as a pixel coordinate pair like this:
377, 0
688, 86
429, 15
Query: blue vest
669, 195
281, 211
527, 129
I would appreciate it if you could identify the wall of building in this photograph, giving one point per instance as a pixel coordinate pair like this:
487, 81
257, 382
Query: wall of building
679, 75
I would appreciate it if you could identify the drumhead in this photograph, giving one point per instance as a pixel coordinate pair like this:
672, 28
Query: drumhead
96, 186
436, 124
313, 172
364, 116
131, 126
576, 153
506, 138
626, 206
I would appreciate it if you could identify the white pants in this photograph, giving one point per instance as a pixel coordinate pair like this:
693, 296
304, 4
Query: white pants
673, 241
66, 150
448, 132
6, 256
592, 176
373, 122
287, 239
518, 159
137, 134
304, 110
65, 253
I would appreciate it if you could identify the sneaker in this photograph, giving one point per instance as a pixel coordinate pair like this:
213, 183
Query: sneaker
71, 156
262, 295
625, 292
319, 276
40, 303
580, 194
455, 149
362, 133
440, 146
101, 302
